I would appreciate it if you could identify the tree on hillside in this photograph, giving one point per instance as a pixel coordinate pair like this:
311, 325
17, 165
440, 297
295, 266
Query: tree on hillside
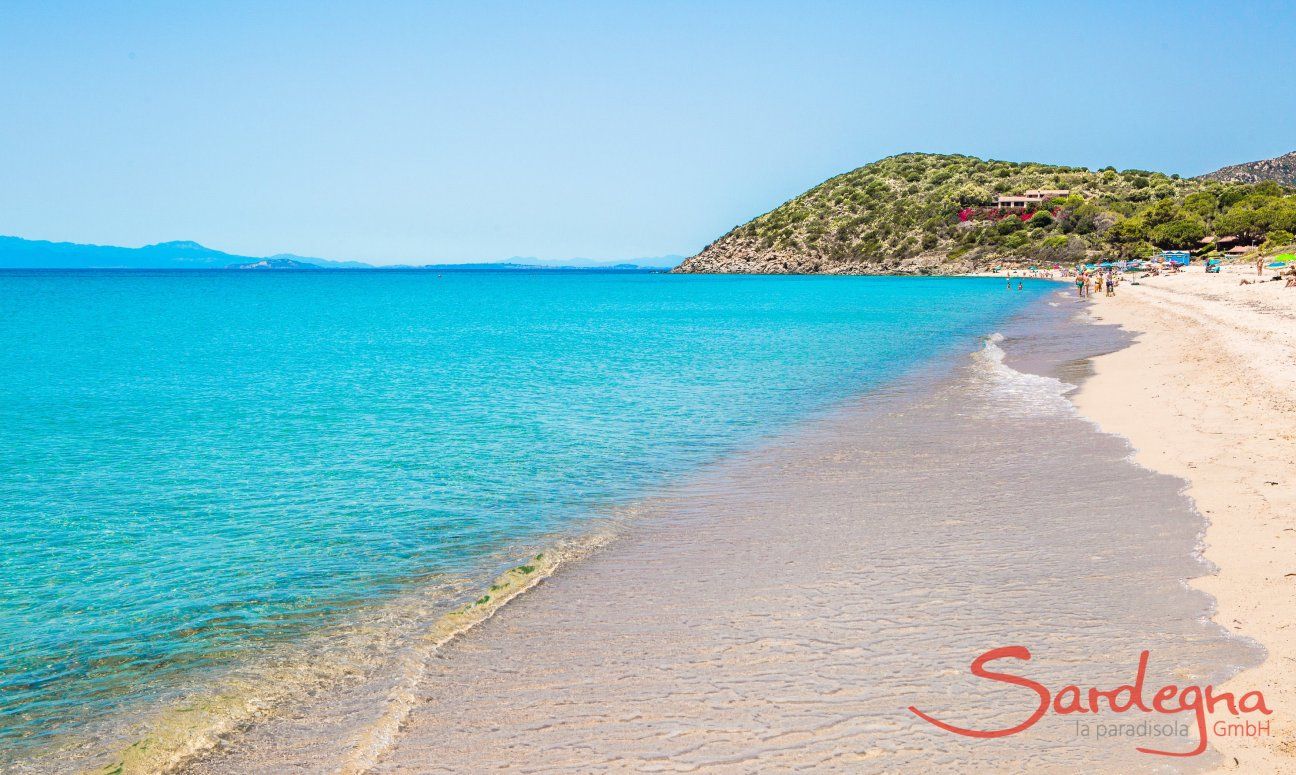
1129, 237
1203, 204
1278, 239
1184, 233
1278, 214
1126, 230
1164, 211
1240, 222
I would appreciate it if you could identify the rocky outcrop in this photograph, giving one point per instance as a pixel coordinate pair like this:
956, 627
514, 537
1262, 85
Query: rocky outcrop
736, 255
1280, 170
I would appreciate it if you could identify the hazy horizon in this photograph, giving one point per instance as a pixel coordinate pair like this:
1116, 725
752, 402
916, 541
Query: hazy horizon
573, 261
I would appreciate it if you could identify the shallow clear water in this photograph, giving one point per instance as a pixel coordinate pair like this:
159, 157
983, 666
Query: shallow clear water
198, 466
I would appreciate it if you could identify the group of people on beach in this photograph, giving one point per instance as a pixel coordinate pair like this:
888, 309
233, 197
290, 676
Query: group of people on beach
1090, 284
1260, 267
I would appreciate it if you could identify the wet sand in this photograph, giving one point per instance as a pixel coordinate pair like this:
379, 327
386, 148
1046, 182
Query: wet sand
1205, 393
783, 610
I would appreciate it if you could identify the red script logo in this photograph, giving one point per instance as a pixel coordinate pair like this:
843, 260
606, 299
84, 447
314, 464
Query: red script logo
1168, 700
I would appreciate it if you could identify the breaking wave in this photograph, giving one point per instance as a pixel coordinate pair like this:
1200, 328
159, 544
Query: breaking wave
1020, 393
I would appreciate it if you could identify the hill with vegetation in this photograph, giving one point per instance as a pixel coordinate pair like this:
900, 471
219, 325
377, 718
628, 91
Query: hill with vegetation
1280, 170
919, 213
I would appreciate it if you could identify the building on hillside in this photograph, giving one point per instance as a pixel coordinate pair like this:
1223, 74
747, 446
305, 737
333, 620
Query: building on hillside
1029, 199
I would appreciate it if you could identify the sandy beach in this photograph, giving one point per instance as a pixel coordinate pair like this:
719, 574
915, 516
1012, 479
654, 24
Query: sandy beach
1205, 394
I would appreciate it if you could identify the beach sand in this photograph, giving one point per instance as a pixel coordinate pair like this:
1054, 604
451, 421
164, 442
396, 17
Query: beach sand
1206, 394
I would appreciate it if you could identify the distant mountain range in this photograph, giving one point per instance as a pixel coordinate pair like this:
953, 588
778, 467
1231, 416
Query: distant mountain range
655, 262
19, 253
1280, 170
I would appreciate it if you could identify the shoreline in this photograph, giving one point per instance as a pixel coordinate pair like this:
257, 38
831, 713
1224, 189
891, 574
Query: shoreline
1116, 393
790, 585
184, 731
235, 693
1199, 394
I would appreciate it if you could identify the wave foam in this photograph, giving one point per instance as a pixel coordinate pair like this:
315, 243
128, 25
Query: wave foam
1019, 393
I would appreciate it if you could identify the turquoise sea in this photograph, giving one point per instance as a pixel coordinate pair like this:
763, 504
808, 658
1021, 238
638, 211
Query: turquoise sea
198, 467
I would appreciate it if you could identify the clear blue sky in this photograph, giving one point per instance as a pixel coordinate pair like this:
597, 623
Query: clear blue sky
405, 131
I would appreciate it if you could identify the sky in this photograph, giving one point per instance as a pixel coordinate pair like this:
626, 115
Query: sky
403, 132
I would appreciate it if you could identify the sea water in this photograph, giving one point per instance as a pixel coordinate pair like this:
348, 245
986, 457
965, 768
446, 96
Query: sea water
199, 469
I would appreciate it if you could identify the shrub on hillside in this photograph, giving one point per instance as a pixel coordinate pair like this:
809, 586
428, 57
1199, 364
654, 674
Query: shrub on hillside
1008, 225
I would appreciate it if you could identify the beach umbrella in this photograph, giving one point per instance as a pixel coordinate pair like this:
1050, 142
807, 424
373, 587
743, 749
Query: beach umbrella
1284, 258
1277, 265
1106, 263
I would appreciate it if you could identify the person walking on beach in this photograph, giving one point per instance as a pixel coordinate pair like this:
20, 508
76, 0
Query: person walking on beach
1111, 284
1081, 282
